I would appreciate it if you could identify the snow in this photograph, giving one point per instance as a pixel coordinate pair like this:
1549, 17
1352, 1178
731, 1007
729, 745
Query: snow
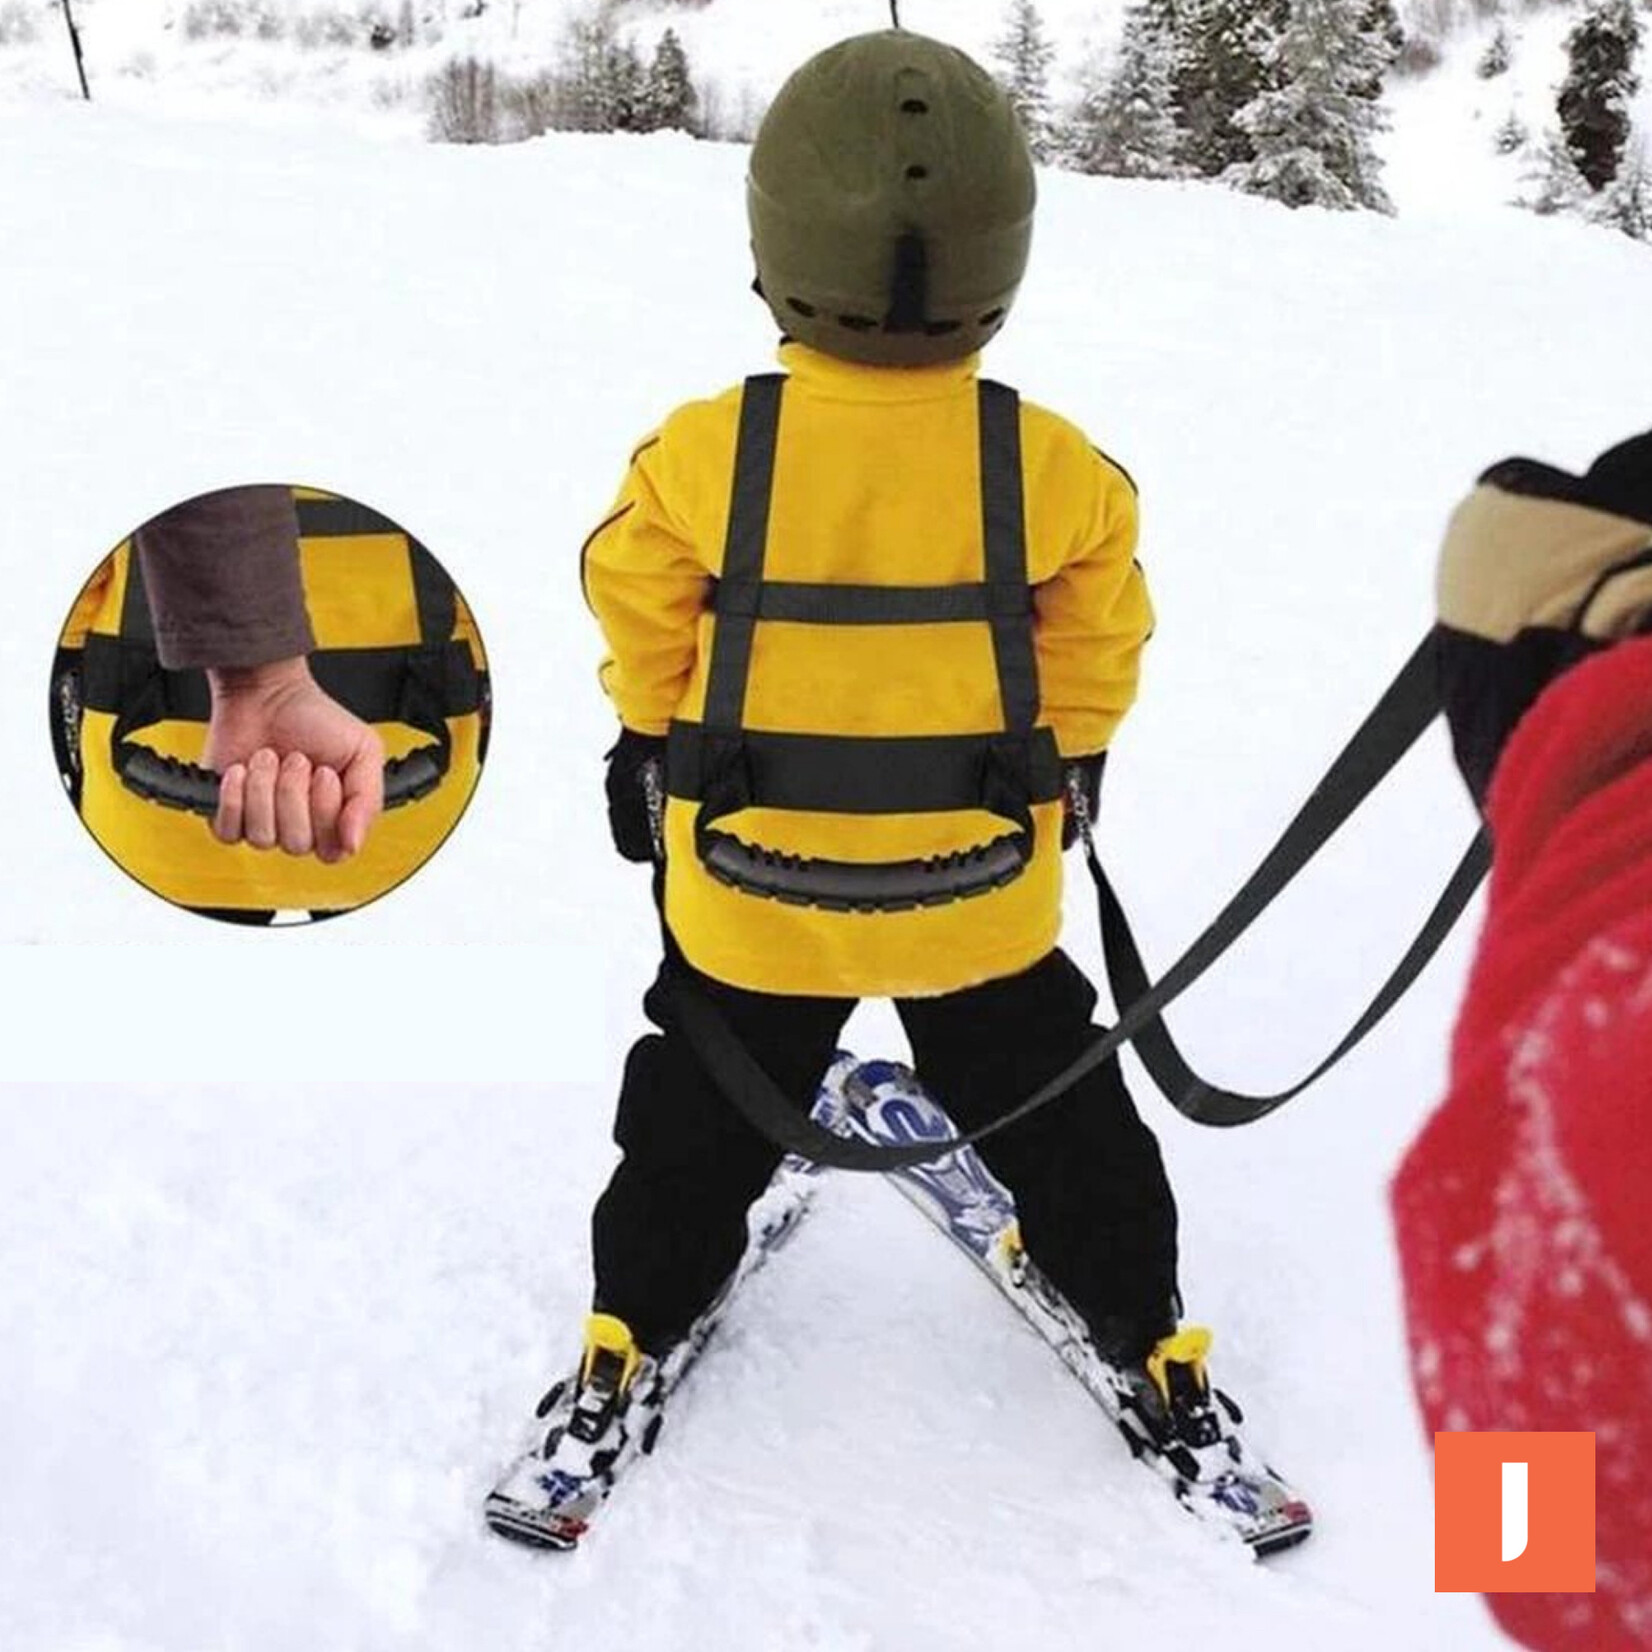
275, 1310
138, 55
756, 43
1440, 157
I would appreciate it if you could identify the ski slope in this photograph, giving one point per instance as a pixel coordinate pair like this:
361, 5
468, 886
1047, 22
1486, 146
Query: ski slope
279, 1293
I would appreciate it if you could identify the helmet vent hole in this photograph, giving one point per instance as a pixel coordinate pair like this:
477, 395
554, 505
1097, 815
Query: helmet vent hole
917, 172
939, 329
991, 318
914, 106
858, 323
802, 309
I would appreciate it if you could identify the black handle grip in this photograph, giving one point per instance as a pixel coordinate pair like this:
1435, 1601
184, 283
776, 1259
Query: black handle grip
852, 886
179, 785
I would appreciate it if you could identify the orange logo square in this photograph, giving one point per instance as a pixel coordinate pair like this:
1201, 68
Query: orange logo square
1514, 1513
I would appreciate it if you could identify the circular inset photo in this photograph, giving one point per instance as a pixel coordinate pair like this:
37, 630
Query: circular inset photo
270, 704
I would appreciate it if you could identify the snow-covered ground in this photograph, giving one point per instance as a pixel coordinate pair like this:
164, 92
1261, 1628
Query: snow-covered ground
273, 1314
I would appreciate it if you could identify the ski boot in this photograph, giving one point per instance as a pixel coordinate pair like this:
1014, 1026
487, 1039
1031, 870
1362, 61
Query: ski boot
1173, 1418
593, 1423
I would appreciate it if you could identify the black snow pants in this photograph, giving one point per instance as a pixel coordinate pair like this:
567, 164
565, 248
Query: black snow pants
1095, 1207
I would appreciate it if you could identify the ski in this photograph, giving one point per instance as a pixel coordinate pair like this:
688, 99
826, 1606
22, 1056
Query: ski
1221, 1480
552, 1508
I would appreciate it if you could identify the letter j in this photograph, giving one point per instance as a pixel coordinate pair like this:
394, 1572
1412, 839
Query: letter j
1515, 1498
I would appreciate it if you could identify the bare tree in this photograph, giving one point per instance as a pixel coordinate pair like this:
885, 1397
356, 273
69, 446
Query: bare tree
74, 45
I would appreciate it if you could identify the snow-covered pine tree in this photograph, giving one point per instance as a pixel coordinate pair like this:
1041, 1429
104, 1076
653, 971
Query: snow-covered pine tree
669, 99
1382, 23
1626, 202
626, 86
1497, 56
599, 77
1594, 97
1554, 182
1223, 50
1024, 55
1511, 134
1124, 122
1312, 131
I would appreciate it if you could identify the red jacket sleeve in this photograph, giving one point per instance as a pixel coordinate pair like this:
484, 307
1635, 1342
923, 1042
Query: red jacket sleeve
1523, 1211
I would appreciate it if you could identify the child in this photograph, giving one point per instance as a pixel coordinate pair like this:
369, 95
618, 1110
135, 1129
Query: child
862, 619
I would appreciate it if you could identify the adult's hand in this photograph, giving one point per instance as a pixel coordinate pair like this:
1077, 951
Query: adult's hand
297, 770
1540, 569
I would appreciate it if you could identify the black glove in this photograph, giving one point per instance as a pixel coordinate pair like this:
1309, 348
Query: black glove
1080, 779
636, 770
1540, 569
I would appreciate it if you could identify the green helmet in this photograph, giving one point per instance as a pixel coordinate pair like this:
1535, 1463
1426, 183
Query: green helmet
891, 201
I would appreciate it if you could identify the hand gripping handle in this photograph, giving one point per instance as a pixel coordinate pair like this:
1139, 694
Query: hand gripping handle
179, 785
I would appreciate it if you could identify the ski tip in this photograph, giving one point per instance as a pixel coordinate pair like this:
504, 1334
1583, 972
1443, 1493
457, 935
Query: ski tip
1295, 1528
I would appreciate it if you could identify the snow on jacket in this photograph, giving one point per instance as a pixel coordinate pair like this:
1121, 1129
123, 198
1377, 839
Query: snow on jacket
1524, 1209
876, 482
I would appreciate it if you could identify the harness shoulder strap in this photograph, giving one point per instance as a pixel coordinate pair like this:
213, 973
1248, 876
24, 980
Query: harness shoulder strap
434, 597
1004, 537
744, 551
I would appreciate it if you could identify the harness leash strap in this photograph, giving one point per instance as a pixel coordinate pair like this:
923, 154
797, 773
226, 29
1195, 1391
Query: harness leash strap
1196, 1098
1405, 710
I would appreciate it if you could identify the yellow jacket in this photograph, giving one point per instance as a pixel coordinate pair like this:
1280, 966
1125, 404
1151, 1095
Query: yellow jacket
876, 481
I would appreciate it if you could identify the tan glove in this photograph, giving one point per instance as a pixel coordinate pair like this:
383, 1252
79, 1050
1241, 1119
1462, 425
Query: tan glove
1540, 569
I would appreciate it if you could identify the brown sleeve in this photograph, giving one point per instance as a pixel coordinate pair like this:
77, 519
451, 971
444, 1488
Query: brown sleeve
222, 576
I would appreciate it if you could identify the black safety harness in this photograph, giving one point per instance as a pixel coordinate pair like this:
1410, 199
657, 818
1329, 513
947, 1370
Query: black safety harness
726, 768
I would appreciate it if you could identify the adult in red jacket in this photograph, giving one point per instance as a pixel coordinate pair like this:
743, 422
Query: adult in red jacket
1524, 1209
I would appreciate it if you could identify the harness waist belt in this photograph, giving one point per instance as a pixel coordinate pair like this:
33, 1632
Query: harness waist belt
373, 682
860, 774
